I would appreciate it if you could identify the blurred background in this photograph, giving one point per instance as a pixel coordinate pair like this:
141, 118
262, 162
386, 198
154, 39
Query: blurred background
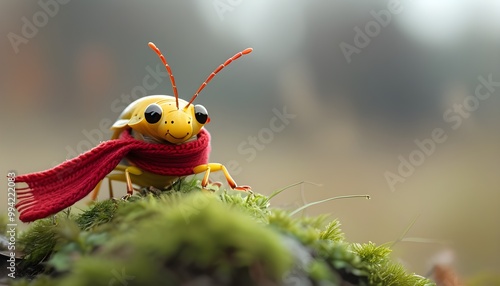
335, 93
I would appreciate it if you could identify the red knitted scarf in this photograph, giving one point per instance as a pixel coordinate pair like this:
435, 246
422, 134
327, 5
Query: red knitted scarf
53, 190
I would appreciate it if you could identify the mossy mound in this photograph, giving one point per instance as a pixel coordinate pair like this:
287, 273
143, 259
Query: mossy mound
186, 236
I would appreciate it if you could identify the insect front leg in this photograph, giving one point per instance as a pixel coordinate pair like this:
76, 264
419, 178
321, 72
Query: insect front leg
213, 167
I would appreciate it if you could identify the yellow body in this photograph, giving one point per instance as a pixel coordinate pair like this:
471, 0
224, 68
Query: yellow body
164, 119
175, 126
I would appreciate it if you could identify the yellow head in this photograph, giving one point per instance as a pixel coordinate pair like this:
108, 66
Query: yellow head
165, 118
163, 122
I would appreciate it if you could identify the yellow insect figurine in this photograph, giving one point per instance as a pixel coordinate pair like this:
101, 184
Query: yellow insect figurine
156, 140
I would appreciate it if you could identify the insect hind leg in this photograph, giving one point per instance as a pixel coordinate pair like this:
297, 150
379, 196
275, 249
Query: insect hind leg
122, 174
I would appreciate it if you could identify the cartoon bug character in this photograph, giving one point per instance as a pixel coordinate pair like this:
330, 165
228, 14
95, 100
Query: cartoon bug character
156, 140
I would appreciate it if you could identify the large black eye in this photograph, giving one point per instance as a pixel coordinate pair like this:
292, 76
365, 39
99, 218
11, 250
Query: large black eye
201, 113
153, 113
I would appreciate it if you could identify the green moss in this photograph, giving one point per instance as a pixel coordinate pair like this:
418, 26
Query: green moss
4, 220
179, 243
37, 244
188, 235
382, 270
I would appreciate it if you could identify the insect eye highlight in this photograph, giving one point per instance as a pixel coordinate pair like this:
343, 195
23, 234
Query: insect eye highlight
200, 113
153, 113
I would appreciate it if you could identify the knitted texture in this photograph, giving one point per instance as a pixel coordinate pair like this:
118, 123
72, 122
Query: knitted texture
53, 190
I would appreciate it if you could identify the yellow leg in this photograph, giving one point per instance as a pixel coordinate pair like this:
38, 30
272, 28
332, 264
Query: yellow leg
118, 177
95, 192
134, 171
214, 167
110, 188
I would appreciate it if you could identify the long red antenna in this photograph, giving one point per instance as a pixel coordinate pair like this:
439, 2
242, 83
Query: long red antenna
172, 79
225, 64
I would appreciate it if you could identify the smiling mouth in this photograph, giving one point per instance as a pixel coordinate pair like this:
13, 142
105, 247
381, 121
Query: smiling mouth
178, 138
